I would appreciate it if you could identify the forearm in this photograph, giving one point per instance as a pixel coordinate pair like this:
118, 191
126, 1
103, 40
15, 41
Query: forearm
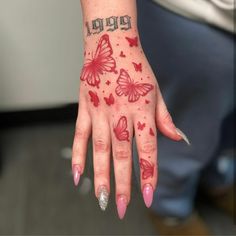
114, 17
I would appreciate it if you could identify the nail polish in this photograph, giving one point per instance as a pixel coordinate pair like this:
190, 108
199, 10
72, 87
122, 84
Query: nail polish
148, 195
121, 206
183, 136
103, 197
76, 174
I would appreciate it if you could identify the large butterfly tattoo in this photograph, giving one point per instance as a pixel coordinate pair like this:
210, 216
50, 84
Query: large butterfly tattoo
102, 61
121, 132
126, 86
147, 168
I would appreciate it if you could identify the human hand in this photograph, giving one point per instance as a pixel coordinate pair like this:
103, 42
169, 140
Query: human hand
119, 98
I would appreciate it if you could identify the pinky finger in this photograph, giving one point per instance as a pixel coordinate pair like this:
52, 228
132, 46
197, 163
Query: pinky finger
79, 150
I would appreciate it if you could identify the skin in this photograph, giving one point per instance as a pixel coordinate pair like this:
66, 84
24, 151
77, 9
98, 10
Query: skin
101, 119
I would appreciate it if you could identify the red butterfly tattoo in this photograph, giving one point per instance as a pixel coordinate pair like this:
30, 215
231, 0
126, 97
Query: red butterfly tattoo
121, 132
133, 42
94, 98
141, 126
126, 86
137, 67
122, 54
147, 167
151, 132
101, 62
110, 100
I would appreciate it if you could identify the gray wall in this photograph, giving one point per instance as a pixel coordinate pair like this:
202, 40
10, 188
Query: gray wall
40, 53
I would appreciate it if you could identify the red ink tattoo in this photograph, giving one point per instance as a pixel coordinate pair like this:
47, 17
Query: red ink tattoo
147, 167
94, 98
122, 54
109, 100
121, 132
147, 101
108, 82
133, 42
137, 67
141, 126
127, 87
151, 132
101, 62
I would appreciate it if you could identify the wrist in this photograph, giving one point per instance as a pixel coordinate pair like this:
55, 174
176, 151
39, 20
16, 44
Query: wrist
114, 26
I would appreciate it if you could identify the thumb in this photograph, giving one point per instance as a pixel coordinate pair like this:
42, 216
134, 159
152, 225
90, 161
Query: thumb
165, 123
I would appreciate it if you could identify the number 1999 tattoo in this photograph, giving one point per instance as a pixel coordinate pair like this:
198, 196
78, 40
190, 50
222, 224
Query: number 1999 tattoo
111, 24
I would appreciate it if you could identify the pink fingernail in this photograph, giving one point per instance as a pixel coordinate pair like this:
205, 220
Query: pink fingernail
76, 173
121, 206
148, 194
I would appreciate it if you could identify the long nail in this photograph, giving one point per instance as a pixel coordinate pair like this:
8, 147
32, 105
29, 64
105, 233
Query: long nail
76, 173
103, 197
148, 195
183, 136
121, 206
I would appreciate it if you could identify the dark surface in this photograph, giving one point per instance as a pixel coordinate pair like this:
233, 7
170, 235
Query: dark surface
37, 195
38, 116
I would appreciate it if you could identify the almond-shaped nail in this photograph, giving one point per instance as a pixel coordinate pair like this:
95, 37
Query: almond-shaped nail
76, 174
121, 206
103, 197
148, 194
183, 136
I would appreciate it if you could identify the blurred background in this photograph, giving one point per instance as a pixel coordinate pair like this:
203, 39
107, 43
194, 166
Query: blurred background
40, 60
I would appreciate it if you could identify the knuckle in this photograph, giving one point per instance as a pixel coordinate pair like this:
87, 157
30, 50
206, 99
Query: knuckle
99, 172
121, 154
81, 133
100, 145
148, 147
167, 117
122, 182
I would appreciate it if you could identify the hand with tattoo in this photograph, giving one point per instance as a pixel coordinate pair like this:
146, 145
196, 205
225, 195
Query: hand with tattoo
119, 99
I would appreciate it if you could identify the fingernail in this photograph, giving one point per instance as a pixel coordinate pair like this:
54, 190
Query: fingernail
148, 194
121, 206
183, 136
103, 197
76, 173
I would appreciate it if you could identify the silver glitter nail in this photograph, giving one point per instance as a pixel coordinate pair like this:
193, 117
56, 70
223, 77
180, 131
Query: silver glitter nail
184, 137
103, 197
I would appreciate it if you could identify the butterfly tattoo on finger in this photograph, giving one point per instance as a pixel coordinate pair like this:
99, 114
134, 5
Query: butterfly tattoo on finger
101, 62
120, 130
147, 168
